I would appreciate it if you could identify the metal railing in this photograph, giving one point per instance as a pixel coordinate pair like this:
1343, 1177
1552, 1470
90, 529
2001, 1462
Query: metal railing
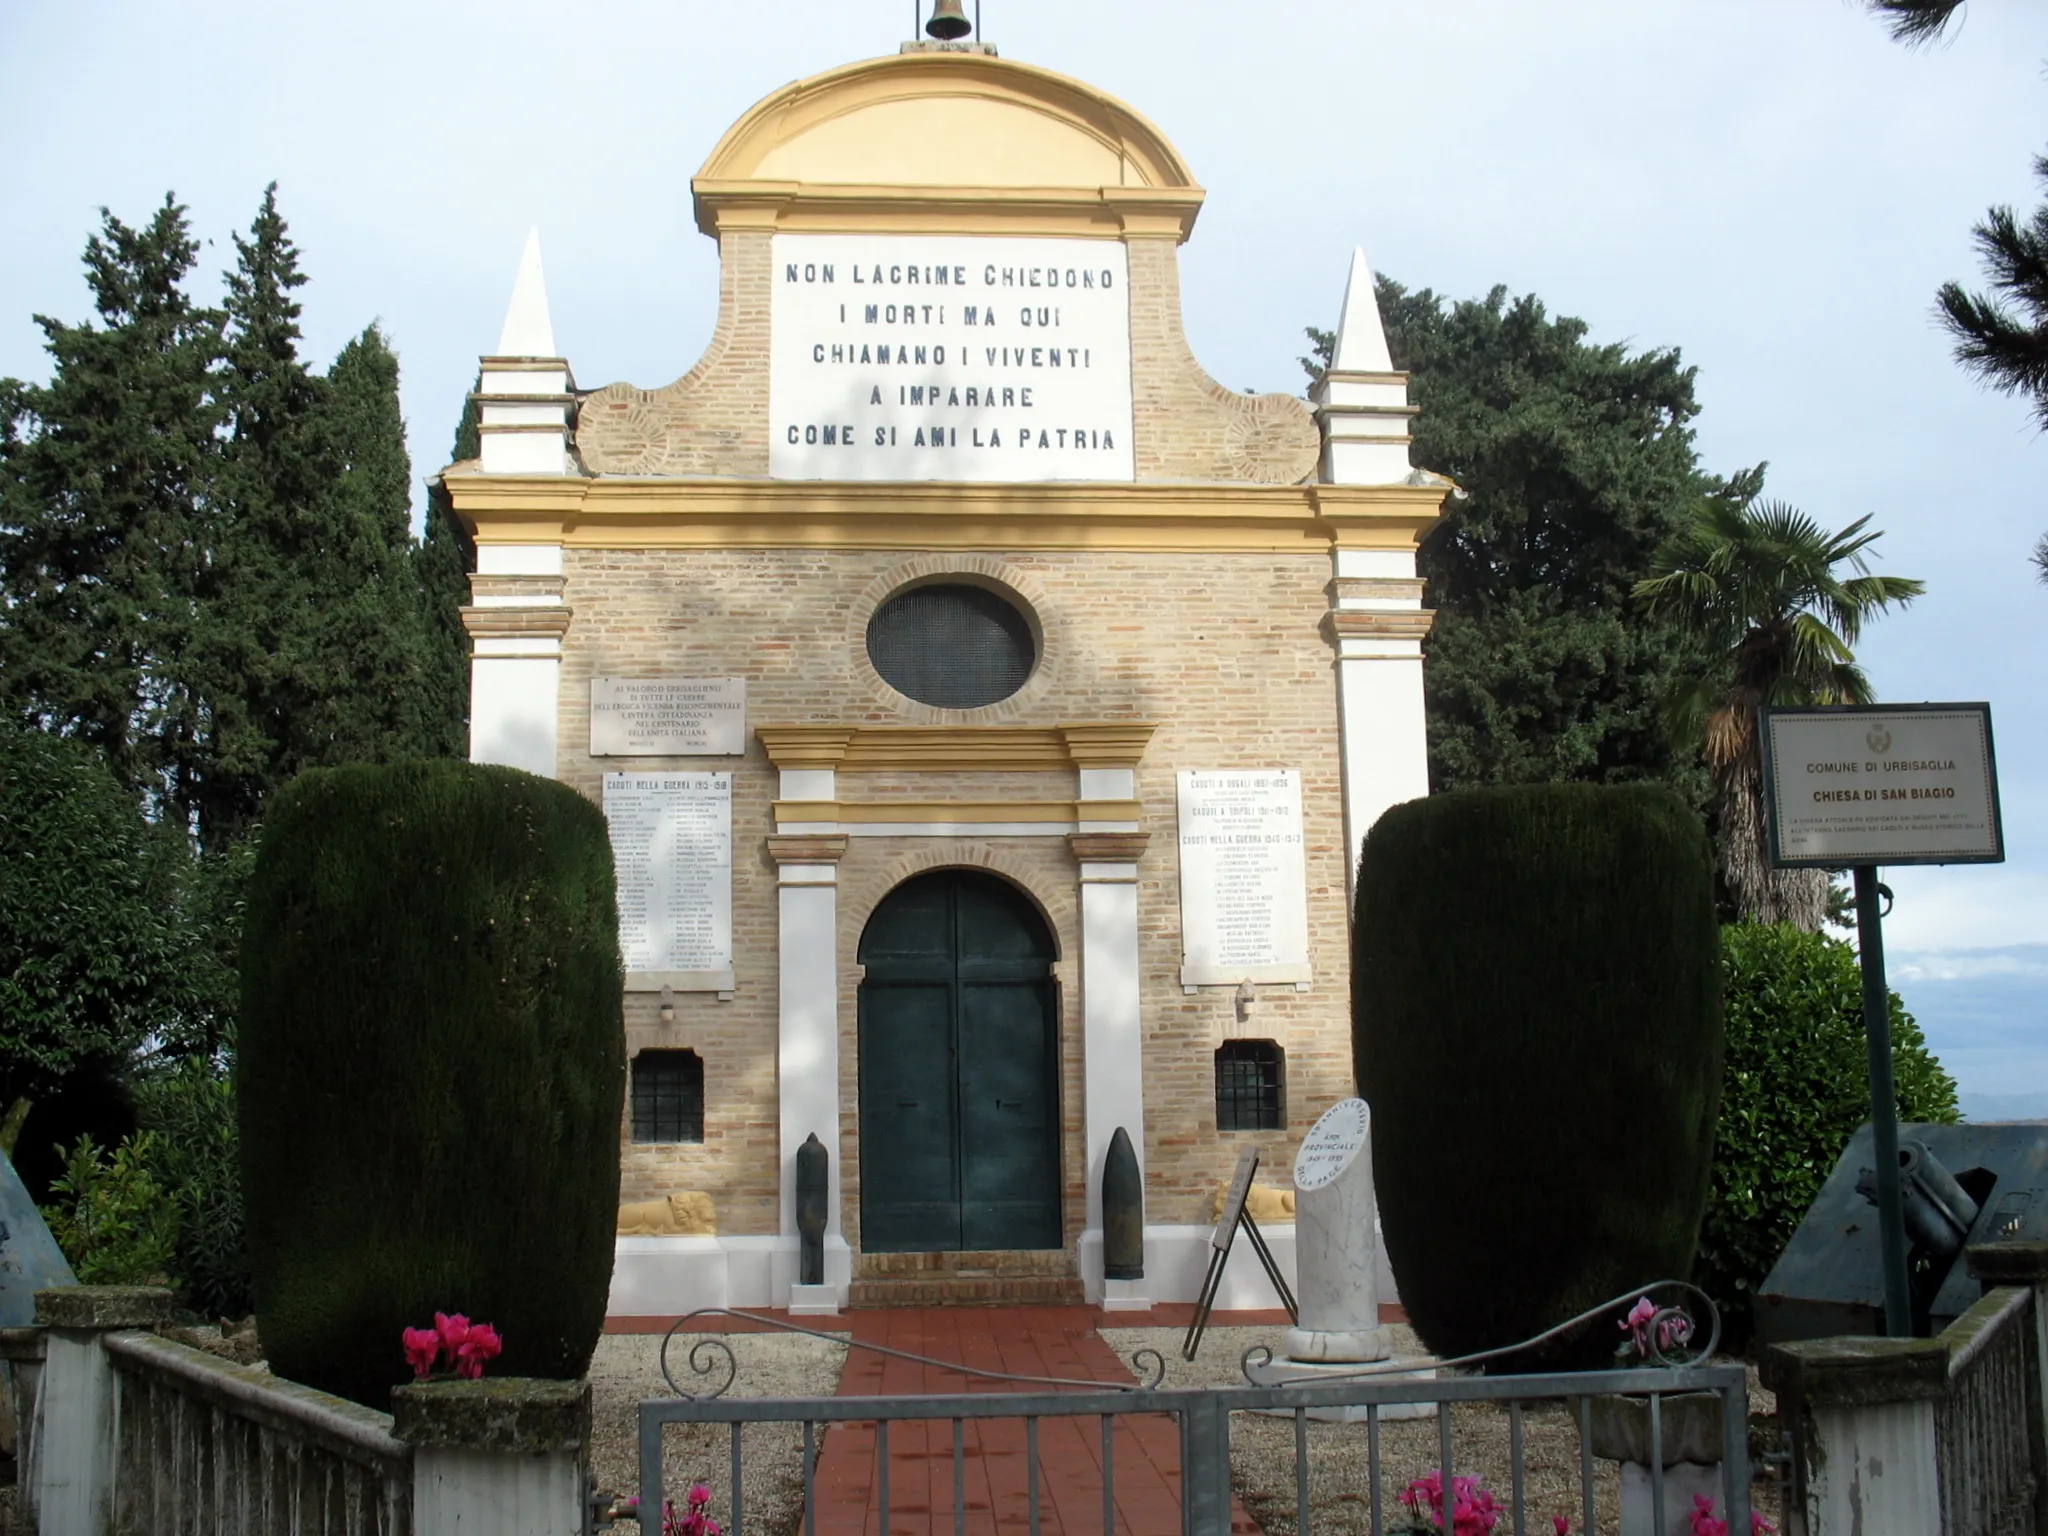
1984, 1424
1202, 1419
205, 1445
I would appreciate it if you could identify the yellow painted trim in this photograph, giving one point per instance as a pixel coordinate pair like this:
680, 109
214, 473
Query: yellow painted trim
957, 748
1144, 516
925, 812
798, 207
805, 105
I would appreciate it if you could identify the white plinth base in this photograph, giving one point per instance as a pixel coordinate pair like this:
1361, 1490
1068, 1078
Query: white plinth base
1310, 1373
1682, 1482
814, 1301
1353, 1348
1126, 1296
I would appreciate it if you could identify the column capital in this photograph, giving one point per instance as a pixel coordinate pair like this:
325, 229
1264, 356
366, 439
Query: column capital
1108, 847
1857, 1371
807, 847
1379, 623
2010, 1261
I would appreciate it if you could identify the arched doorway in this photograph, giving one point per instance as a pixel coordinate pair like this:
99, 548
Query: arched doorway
959, 1070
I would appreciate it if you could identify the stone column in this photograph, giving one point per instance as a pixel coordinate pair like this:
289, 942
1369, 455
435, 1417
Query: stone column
1868, 1410
1112, 1040
507, 1455
807, 1052
74, 1494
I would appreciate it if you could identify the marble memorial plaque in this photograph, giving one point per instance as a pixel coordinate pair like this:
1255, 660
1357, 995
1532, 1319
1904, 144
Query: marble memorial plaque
1243, 877
668, 716
949, 357
1332, 1143
671, 837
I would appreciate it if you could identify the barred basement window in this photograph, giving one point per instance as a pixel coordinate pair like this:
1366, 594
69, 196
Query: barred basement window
668, 1096
1251, 1092
951, 645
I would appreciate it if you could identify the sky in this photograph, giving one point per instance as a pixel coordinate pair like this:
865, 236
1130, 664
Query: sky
1773, 187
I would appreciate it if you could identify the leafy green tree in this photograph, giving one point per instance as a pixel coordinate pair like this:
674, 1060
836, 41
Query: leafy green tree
1576, 463
2007, 350
1760, 589
104, 478
94, 959
1794, 1086
1916, 21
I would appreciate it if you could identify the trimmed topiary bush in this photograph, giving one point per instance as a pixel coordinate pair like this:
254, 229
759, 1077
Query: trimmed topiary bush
1795, 1087
1536, 1006
430, 1069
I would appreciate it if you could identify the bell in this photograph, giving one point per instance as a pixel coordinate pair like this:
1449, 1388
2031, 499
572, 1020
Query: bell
948, 21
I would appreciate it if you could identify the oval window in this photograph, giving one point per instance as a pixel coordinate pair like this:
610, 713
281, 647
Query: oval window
953, 646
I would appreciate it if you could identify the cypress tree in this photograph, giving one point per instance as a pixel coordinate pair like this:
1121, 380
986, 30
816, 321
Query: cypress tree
361, 670
104, 476
259, 607
430, 1070
444, 560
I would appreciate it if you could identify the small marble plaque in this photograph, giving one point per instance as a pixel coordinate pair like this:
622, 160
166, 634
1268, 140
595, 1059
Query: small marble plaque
1332, 1143
668, 716
1243, 877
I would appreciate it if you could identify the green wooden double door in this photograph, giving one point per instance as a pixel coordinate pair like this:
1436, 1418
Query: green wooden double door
959, 1070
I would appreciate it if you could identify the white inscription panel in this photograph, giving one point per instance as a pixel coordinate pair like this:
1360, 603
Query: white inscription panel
1243, 877
949, 357
1332, 1143
672, 843
668, 716
1911, 784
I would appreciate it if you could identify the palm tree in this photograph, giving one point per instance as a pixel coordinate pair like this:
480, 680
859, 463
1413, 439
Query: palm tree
1758, 587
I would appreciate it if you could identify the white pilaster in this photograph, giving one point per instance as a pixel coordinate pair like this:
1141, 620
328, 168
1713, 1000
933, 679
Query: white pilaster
807, 1049
76, 1471
455, 1492
516, 624
1875, 1474
1376, 621
1112, 1038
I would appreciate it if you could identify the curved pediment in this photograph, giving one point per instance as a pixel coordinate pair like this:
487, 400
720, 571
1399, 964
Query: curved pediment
952, 142
946, 120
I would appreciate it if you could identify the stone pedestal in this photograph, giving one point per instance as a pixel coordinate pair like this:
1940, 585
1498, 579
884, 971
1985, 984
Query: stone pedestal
74, 1492
505, 1455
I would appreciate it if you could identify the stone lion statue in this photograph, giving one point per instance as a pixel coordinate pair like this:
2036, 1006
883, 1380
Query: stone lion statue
687, 1213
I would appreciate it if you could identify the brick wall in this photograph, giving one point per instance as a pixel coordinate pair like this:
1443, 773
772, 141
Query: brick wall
1223, 651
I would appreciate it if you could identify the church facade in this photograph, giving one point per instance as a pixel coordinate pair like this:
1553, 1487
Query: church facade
986, 703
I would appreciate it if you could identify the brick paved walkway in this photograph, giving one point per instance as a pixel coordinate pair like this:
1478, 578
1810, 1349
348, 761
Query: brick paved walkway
995, 1487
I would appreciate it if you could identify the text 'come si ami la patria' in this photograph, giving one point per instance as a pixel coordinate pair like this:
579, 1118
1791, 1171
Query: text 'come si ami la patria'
1008, 365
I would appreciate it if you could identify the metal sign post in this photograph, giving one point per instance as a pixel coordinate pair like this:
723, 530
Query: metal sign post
1859, 786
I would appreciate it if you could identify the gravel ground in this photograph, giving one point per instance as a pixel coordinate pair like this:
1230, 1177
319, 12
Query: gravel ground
1262, 1462
627, 1369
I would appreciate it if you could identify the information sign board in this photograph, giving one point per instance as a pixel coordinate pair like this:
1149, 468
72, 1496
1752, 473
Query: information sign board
1881, 784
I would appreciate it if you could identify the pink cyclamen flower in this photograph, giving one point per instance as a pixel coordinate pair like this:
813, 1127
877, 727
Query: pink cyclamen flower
422, 1347
1564, 1526
480, 1342
453, 1331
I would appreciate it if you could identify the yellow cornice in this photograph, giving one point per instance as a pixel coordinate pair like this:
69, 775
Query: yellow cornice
1143, 516
795, 207
957, 748
955, 812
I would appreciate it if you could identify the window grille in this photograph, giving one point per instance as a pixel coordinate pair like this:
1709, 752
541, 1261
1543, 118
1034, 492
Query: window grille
954, 646
1250, 1086
668, 1096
